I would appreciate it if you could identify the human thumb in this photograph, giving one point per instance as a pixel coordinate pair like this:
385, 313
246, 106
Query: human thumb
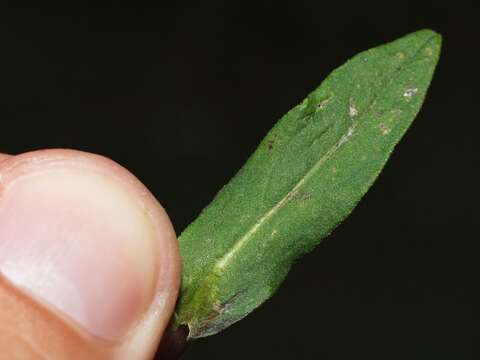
89, 263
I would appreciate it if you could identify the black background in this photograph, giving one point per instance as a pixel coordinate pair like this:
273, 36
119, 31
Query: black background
182, 93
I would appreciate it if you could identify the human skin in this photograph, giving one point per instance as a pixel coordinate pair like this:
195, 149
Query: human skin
89, 263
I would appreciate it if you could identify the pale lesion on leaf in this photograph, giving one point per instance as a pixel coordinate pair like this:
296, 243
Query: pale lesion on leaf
384, 129
409, 93
428, 51
352, 110
322, 104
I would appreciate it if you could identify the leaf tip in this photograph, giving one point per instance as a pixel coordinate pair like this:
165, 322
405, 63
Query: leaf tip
432, 38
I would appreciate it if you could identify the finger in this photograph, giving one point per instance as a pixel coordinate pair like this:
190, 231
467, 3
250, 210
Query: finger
84, 243
4, 157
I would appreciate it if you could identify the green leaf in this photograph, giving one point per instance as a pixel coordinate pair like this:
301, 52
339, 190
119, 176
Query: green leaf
306, 176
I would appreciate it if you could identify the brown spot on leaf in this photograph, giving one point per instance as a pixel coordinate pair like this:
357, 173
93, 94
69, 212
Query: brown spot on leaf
270, 144
300, 196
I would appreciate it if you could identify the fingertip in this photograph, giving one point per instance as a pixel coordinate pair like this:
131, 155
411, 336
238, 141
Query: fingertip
89, 229
4, 157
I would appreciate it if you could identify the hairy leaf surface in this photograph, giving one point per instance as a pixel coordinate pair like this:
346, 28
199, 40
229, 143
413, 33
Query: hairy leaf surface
305, 177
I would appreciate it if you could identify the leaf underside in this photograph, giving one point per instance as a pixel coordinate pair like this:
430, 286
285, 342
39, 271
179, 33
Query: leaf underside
305, 177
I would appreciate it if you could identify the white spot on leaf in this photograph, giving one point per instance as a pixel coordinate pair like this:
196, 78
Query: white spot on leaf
346, 137
352, 111
384, 129
408, 94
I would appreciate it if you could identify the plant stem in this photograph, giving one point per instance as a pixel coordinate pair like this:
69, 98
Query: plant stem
173, 343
